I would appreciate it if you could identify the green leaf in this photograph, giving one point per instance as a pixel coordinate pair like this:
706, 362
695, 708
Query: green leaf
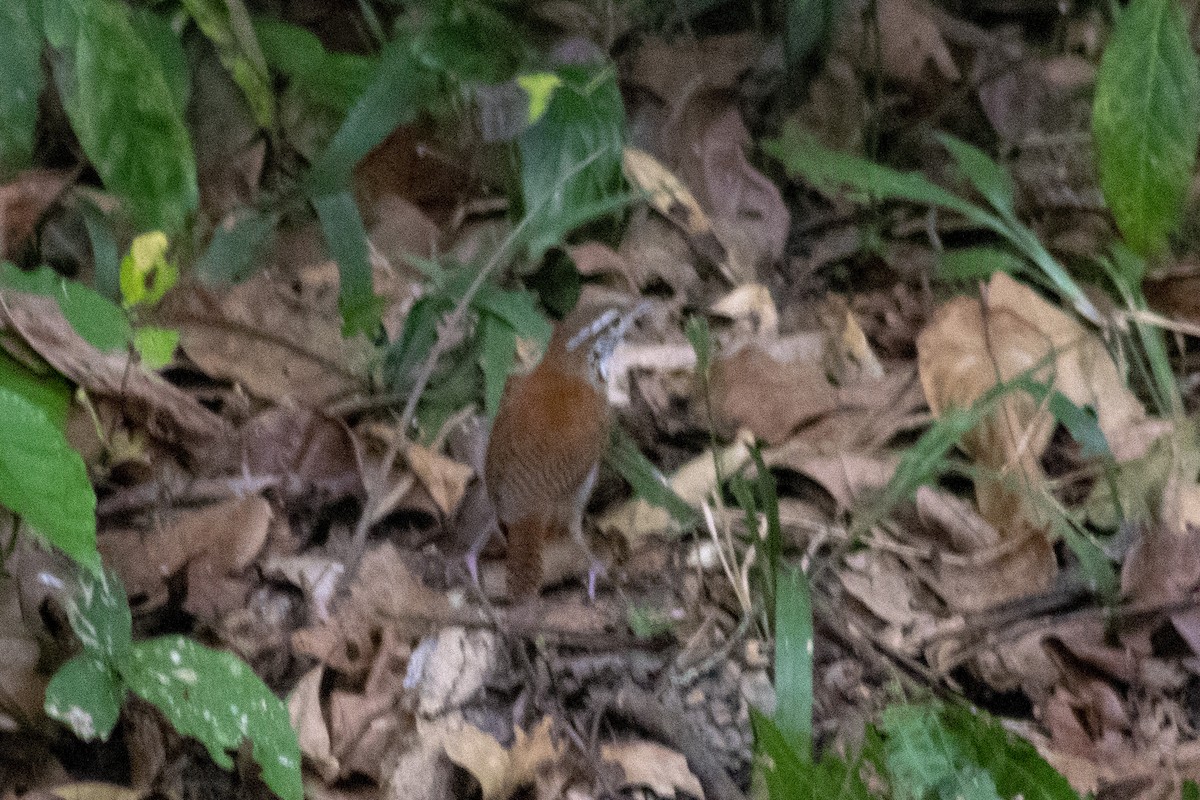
45, 481
155, 346
470, 42
100, 616
792, 775
978, 263
227, 25
235, 253
122, 109
86, 696
648, 483
347, 241
498, 345
700, 337
1189, 791
1146, 121
828, 171
216, 698
952, 750
333, 81
989, 178
45, 389
105, 256
21, 76
165, 46
400, 89
514, 307
100, 321
571, 159
794, 656
146, 275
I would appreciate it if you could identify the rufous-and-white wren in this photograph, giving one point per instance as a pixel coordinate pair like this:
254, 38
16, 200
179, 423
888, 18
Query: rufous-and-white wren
546, 443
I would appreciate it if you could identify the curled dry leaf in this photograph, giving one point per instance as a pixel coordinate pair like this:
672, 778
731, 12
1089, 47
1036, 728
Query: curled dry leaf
970, 346
215, 544
911, 41
500, 771
274, 341
648, 764
444, 478
308, 720
752, 303
693, 482
165, 412
22, 203
667, 195
772, 398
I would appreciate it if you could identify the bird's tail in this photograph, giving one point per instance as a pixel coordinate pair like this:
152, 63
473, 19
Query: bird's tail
526, 537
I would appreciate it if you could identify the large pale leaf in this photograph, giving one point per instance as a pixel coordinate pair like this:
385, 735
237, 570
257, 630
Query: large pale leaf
1146, 119
123, 109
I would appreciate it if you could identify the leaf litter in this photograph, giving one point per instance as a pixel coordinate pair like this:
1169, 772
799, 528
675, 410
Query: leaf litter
229, 484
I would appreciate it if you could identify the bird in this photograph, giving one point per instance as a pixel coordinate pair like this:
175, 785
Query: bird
550, 432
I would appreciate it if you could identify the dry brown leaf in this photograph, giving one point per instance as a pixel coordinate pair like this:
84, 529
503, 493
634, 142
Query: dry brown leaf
500, 772
23, 200
673, 69
279, 344
667, 195
772, 398
910, 41
22, 685
308, 720
214, 543
751, 302
444, 478
968, 348
694, 482
364, 727
164, 411
456, 670
96, 790
648, 764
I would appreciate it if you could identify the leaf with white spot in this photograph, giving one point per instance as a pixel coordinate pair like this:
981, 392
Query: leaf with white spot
85, 695
100, 617
216, 698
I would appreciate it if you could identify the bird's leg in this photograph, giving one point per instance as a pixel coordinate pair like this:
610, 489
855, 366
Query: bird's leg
596, 567
477, 546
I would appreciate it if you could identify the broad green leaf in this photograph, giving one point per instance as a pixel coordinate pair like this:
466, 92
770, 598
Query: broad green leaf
792, 775
498, 345
100, 616
951, 750
514, 307
100, 321
571, 159
648, 483
21, 77
470, 42
1189, 791
45, 481
162, 42
46, 389
86, 696
794, 656
214, 697
1146, 121
146, 275
122, 109
227, 25
155, 346
331, 80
